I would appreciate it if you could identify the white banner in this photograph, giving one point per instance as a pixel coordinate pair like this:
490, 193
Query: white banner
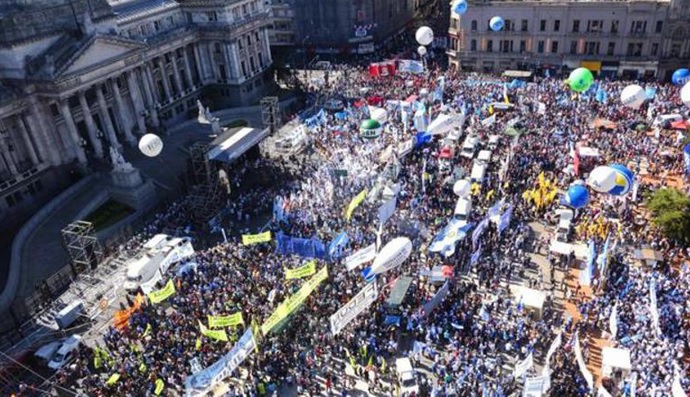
364, 255
541, 108
653, 307
356, 305
534, 387
581, 364
613, 321
387, 209
436, 300
677, 388
552, 349
601, 392
489, 121
522, 367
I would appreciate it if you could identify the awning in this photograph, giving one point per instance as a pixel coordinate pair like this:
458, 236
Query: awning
585, 151
517, 74
233, 143
594, 66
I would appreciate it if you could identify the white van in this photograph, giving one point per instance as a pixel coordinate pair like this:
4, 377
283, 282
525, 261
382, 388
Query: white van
462, 209
406, 376
493, 141
469, 146
484, 156
45, 353
141, 270
478, 172
65, 353
664, 119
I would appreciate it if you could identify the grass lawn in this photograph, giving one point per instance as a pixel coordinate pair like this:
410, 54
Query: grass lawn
109, 214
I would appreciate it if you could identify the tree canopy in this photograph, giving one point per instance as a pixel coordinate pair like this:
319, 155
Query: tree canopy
671, 213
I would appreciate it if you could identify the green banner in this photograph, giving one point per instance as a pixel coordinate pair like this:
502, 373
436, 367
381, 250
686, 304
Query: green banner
162, 294
303, 271
225, 321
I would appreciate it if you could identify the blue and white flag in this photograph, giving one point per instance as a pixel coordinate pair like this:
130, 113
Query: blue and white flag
476, 255
444, 243
440, 86
586, 273
421, 120
336, 246
602, 259
495, 209
601, 95
504, 221
278, 208
686, 157
650, 92
410, 66
479, 230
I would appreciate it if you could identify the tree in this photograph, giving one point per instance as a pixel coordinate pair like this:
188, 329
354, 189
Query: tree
671, 213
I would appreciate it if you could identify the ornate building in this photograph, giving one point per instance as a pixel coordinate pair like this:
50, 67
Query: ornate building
79, 75
676, 46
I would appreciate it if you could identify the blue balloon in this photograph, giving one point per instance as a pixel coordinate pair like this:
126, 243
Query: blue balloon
624, 180
460, 7
577, 196
680, 76
496, 23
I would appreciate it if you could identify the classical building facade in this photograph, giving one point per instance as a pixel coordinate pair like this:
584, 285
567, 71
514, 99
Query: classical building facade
612, 38
676, 45
79, 75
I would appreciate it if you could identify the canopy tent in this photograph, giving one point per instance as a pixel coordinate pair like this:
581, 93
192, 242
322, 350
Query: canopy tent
613, 359
233, 143
531, 299
584, 151
648, 256
681, 125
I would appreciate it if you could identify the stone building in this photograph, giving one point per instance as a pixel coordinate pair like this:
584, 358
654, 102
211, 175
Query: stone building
675, 51
79, 75
611, 37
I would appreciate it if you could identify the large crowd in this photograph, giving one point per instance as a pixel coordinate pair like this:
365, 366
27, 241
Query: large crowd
473, 340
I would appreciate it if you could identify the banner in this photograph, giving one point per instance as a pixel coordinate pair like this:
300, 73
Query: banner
552, 349
306, 248
523, 366
225, 321
489, 121
534, 387
653, 307
159, 387
249, 239
613, 322
586, 273
581, 364
410, 66
436, 300
294, 301
336, 246
387, 209
213, 334
353, 308
162, 294
305, 270
479, 230
362, 256
356, 201
504, 220
677, 388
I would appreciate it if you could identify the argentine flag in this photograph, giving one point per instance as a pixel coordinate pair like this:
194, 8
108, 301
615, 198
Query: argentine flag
444, 243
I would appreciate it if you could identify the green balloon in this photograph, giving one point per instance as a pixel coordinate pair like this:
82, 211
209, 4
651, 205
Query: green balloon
580, 79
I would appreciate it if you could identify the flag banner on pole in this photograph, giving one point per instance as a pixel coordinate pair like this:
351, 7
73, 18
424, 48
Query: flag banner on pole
356, 201
362, 256
534, 387
305, 270
475, 255
589, 378
479, 230
523, 366
613, 321
586, 273
249, 239
387, 209
433, 303
353, 308
444, 243
504, 220
159, 387
653, 307
225, 321
162, 294
552, 349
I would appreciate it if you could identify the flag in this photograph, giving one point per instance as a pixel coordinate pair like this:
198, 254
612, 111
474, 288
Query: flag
444, 243
479, 230
504, 221
147, 330
475, 255
356, 201
162, 294
213, 334
586, 273
305, 270
159, 387
112, 379
495, 209
505, 93
650, 92
686, 157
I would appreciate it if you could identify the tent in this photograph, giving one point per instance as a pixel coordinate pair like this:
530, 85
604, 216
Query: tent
445, 123
233, 143
531, 299
613, 359
370, 129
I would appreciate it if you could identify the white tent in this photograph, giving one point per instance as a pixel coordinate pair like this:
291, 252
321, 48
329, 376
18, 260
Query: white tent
378, 114
531, 299
613, 359
445, 123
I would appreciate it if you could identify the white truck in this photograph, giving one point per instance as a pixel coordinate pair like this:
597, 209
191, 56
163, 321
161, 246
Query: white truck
162, 251
406, 377
69, 314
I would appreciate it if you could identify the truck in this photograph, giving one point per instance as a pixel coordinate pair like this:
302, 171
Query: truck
162, 251
69, 314
405, 374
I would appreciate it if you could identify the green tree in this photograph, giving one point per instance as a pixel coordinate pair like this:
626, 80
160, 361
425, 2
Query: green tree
671, 213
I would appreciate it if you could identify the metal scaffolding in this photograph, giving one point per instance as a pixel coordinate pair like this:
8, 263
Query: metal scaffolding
270, 113
83, 247
207, 196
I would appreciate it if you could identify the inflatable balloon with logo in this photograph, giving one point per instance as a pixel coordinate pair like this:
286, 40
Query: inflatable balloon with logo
602, 179
633, 96
496, 24
460, 7
624, 180
680, 76
580, 79
577, 196
424, 35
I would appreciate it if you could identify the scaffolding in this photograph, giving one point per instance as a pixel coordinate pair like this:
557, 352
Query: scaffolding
207, 196
270, 113
84, 249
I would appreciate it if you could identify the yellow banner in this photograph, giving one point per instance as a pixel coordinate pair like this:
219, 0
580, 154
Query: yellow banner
162, 294
355, 203
290, 304
113, 379
159, 387
225, 321
249, 239
303, 271
213, 334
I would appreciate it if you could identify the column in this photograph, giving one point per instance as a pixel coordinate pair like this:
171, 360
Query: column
72, 129
226, 56
267, 48
164, 79
151, 94
108, 123
209, 61
136, 100
197, 61
187, 68
123, 113
46, 143
5, 150
235, 62
27, 141
177, 80
90, 125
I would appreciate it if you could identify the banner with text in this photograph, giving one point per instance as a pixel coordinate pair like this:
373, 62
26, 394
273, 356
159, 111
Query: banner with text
353, 308
249, 239
162, 294
305, 270
225, 321
362, 256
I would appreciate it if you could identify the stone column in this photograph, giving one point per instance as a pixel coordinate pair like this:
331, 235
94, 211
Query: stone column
164, 79
177, 80
27, 140
46, 144
267, 49
72, 129
5, 151
108, 123
90, 125
210, 62
228, 61
197, 62
151, 94
123, 113
187, 68
153, 88
235, 62
136, 100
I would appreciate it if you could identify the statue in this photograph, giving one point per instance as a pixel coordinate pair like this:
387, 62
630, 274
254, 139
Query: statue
119, 163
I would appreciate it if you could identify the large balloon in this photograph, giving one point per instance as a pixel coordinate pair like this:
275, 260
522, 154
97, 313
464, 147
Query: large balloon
602, 179
151, 145
577, 196
497, 23
580, 79
424, 35
685, 94
633, 96
462, 188
460, 7
680, 76
421, 50
624, 180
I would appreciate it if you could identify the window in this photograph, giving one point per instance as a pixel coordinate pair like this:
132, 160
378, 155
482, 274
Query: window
249, 40
655, 49
244, 69
576, 25
614, 26
473, 45
557, 25
509, 25
540, 46
490, 46
542, 25
659, 26
239, 43
638, 27
675, 50
506, 46
216, 47
573, 47
156, 25
611, 49
554, 47
595, 26
252, 66
473, 25
261, 59
524, 24
634, 49
592, 48
212, 16
54, 110
523, 46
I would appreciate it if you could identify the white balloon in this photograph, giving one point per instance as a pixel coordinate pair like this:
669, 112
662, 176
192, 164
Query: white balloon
424, 35
602, 179
462, 188
633, 96
151, 145
421, 50
685, 94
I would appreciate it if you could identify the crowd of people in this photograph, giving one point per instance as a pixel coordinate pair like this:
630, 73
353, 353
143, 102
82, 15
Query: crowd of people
474, 339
